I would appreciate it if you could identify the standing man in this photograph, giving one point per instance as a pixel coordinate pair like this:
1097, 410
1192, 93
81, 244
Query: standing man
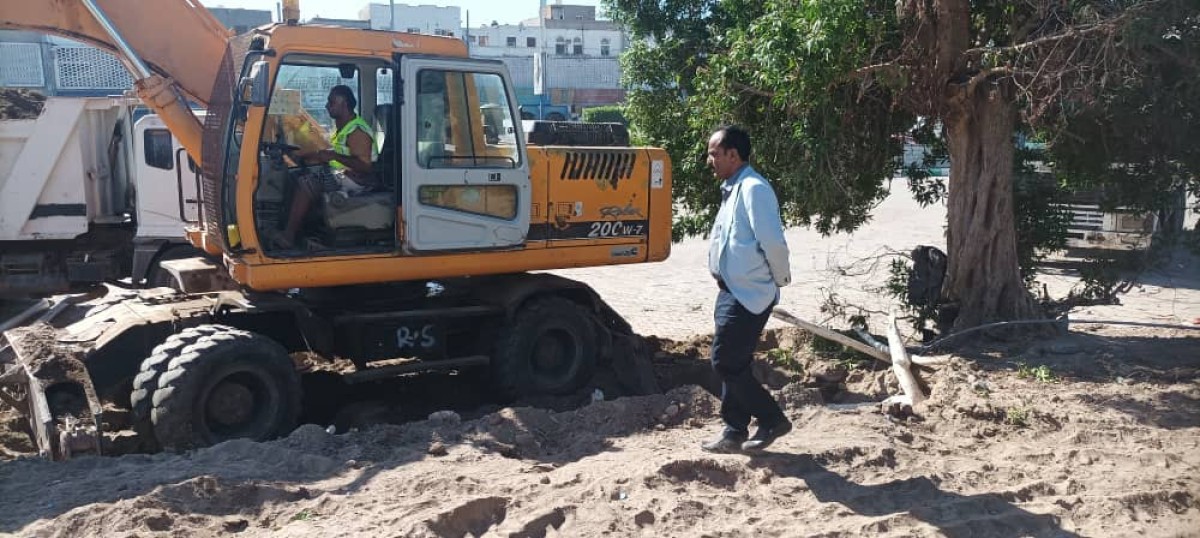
749, 259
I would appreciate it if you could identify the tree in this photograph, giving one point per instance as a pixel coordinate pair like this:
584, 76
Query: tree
829, 88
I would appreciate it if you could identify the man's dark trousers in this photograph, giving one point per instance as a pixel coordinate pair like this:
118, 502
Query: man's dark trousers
742, 396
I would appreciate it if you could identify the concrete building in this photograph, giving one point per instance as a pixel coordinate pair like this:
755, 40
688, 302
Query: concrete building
241, 20
422, 19
348, 23
579, 53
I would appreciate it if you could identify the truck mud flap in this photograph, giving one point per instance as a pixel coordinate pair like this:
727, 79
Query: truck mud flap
50, 386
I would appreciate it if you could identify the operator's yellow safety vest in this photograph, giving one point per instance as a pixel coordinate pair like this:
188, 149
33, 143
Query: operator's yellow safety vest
339, 139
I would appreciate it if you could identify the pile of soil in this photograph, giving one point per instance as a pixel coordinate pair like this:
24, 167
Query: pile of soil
18, 104
1092, 434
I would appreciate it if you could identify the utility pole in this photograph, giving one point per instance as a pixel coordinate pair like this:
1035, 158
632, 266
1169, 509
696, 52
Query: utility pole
392, 6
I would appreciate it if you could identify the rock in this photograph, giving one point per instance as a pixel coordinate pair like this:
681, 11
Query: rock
1063, 348
768, 341
671, 411
437, 448
796, 396
526, 443
643, 518
772, 376
828, 373
448, 418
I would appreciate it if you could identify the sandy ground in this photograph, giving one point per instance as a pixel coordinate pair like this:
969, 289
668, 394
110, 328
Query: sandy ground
1095, 433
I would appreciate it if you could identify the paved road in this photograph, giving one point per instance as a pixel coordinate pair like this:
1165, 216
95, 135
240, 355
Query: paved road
673, 299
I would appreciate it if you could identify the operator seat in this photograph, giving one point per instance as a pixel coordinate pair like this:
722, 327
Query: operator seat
368, 218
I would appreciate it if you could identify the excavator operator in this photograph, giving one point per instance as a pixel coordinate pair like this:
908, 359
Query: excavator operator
349, 163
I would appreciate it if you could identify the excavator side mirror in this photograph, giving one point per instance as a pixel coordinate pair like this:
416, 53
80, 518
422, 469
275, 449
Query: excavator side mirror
254, 90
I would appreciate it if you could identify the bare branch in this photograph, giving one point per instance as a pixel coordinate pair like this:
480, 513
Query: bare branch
1071, 32
752, 90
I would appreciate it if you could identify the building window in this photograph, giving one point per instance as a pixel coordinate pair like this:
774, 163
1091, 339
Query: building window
578, 48
483, 41
531, 42
413, 30
442, 32
604, 47
560, 47
510, 41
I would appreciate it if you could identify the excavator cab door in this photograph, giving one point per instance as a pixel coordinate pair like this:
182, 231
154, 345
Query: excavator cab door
465, 173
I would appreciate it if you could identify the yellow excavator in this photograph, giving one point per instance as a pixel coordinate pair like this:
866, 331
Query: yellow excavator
428, 269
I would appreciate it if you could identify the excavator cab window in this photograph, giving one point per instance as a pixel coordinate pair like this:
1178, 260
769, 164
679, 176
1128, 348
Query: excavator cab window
305, 203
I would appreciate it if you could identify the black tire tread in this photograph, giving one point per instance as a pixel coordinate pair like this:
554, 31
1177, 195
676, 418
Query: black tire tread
509, 380
173, 398
146, 380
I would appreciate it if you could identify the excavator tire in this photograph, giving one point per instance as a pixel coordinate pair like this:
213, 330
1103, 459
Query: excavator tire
146, 380
225, 385
549, 347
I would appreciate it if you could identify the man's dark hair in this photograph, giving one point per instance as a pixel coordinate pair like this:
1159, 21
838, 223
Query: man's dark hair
737, 138
346, 93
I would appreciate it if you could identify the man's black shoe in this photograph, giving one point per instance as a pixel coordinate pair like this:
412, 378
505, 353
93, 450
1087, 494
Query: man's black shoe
727, 443
765, 436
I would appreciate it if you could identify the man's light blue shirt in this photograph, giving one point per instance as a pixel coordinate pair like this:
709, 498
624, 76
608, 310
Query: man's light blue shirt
748, 251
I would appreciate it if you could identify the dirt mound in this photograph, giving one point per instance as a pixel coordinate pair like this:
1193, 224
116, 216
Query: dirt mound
1033, 441
20, 104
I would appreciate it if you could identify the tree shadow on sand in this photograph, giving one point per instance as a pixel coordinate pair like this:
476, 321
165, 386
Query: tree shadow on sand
920, 498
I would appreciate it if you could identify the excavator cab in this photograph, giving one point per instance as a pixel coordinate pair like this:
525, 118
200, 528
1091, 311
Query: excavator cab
452, 138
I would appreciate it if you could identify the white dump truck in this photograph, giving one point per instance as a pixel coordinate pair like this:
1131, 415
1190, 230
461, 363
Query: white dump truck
93, 189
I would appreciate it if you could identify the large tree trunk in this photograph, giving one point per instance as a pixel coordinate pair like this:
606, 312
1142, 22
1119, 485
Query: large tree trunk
983, 276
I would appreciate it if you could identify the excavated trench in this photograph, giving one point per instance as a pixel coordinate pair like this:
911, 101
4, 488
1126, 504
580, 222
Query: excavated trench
784, 357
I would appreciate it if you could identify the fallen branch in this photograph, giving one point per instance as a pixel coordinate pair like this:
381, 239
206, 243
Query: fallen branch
874, 349
829, 334
902, 366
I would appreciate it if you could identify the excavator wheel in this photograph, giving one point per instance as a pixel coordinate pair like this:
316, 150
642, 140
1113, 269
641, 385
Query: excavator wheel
549, 347
225, 385
146, 380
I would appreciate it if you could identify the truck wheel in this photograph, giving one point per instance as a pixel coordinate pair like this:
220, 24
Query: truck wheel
146, 380
550, 348
226, 385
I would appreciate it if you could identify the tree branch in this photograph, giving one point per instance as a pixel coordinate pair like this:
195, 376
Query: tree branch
753, 90
1072, 32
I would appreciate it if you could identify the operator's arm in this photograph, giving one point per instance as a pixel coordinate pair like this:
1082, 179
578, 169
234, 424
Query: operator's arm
763, 209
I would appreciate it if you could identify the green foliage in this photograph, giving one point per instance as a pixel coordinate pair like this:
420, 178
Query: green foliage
605, 114
778, 67
829, 89
1040, 373
785, 358
1016, 416
1039, 208
1136, 142
845, 357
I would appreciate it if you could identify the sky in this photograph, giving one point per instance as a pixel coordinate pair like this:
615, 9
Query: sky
481, 11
